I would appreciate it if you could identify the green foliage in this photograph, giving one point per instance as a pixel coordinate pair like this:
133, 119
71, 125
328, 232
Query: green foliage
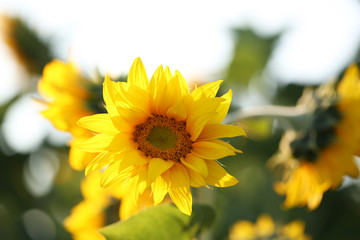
31, 46
250, 56
161, 222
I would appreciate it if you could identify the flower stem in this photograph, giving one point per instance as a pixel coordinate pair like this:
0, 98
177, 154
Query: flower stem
293, 117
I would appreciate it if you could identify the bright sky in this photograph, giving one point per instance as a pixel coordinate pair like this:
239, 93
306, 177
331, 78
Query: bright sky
191, 36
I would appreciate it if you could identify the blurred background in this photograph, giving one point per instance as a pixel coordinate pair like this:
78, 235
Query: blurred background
266, 51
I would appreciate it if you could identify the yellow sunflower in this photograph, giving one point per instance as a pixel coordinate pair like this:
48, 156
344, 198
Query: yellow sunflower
266, 229
89, 216
66, 97
319, 158
158, 135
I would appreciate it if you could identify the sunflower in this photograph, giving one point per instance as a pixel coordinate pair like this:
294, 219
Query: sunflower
88, 216
67, 96
158, 135
266, 229
319, 157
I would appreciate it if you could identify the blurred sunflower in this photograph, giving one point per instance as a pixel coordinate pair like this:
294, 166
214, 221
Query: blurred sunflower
70, 96
158, 135
89, 216
28, 48
266, 229
317, 158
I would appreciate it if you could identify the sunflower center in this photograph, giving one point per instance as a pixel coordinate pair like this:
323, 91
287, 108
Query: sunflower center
163, 137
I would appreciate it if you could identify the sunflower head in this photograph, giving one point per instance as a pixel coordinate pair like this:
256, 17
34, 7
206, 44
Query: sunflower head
158, 135
318, 156
332, 104
69, 96
88, 216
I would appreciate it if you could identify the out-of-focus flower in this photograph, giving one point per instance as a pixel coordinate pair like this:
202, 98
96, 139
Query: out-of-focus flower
317, 158
89, 216
158, 135
266, 229
70, 96
30, 51
64, 86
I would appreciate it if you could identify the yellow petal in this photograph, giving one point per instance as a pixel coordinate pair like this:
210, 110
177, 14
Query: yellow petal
96, 143
129, 187
91, 190
177, 88
120, 143
137, 75
100, 161
110, 96
184, 88
199, 113
242, 230
171, 93
178, 111
59, 77
79, 159
293, 230
265, 226
135, 97
222, 109
349, 86
160, 187
156, 167
196, 179
114, 173
99, 123
132, 157
180, 188
132, 116
212, 149
221, 131
160, 95
118, 92
167, 75
154, 82
142, 182
314, 201
129, 96
129, 208
225, 145
218, 177
136, 184
85, 215
195, 163
209, 90
305, 186
352, 169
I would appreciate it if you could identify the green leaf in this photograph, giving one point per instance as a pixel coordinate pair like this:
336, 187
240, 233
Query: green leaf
250, 56
161, 222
